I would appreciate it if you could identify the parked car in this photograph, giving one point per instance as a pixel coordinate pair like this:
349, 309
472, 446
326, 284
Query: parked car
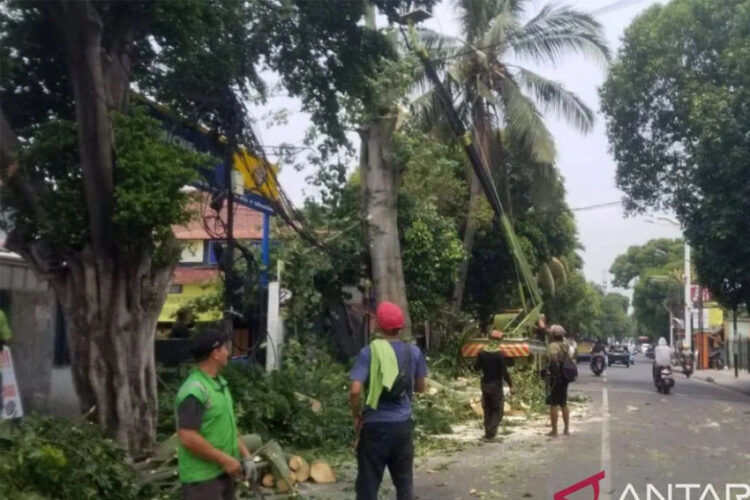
650, 353
619, 354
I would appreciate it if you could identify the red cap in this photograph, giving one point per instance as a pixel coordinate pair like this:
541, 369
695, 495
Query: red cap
389, 316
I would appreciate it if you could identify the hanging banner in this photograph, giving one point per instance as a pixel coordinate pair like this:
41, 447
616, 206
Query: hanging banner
11, 395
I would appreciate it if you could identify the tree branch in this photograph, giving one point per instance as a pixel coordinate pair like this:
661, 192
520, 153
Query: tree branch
9, 168
81, 28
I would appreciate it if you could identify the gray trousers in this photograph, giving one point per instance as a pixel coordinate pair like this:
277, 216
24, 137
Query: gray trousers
221, 488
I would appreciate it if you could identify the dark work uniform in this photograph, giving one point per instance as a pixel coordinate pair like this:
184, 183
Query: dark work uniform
494, 371
386, 437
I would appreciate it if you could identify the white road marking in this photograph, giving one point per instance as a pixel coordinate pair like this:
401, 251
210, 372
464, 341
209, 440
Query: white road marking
606, 462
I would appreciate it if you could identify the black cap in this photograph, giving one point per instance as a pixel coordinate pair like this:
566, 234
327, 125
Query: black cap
207, 341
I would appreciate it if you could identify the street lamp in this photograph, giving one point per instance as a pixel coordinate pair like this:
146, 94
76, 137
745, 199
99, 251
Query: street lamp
688, 309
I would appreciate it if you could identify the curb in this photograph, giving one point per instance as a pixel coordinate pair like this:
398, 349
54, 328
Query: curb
714, 382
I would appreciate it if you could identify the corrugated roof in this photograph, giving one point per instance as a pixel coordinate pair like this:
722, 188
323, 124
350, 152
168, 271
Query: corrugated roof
206, 224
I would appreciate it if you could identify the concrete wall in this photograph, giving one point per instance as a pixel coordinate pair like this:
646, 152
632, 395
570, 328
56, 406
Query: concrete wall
33, 324
31, 310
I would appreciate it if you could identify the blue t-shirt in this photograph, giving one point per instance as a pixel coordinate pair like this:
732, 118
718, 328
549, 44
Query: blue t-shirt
390, 412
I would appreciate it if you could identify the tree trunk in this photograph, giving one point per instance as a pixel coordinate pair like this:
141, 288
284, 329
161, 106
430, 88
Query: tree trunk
484, 141
470, 230
111, 308
380, 181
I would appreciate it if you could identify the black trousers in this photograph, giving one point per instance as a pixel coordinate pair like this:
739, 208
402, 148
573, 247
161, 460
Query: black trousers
492, 405
220, 488
380, 445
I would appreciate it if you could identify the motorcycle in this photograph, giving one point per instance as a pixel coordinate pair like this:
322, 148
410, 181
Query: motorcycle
597, 364
663, 379
715, 359
687, 364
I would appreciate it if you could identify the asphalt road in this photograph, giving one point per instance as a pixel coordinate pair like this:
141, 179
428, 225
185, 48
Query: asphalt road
699, 434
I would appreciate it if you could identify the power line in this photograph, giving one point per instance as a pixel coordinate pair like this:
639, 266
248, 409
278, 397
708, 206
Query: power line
598, 205
614, 6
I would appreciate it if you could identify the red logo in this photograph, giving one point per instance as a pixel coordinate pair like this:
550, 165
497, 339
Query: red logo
592, 481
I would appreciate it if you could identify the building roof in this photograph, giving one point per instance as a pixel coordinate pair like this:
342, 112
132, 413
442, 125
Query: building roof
194, 275
206, 224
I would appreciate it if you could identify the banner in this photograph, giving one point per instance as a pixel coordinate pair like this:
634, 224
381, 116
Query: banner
11, 395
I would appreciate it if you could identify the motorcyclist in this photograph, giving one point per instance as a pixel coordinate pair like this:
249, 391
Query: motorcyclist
662, 357
599, 347
599, 351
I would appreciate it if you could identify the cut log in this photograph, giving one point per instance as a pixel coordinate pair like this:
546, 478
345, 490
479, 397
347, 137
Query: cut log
463, 396
282, 486
272, 452
315, 405
268, 481
459, 383
303, 473
322, 473
476, 405
295, 461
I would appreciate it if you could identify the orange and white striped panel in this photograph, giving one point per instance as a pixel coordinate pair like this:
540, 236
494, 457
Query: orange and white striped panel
472, 349
515, 350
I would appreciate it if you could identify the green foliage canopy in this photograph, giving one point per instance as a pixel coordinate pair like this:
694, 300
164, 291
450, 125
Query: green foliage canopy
676, 102
656, 267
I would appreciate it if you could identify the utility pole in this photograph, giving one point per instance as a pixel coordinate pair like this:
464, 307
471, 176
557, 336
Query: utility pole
671, 329
688, 304
736, 344
228, 254
688, 301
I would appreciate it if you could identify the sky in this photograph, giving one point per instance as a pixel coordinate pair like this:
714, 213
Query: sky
584, 161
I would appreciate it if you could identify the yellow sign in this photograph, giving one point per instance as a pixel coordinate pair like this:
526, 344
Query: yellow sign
259, 178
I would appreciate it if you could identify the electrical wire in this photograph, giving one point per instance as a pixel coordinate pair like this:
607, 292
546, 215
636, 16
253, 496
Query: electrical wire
597, 206
615, 6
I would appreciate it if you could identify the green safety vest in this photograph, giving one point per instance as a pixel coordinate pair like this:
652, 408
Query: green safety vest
5, 334
218, 427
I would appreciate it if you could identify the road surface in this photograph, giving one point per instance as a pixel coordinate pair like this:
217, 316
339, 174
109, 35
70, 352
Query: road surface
699, 435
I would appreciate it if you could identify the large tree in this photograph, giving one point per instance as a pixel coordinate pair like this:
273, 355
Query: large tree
494, 93
615, 322
677, 106
654, 272
90, 192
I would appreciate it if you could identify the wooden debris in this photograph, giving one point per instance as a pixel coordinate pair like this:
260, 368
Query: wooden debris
284, 485
268, 481
322, 473
272, 452
315, 405
476, 405
459, 383
303, 473
167, 449
295, 461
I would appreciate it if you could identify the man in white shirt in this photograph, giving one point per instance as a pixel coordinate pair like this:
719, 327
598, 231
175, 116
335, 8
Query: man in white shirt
662, 355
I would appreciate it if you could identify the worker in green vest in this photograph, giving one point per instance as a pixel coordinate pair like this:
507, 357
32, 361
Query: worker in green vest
210, 447
5, 336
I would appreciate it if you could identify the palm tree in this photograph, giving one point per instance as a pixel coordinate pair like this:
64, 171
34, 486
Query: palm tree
492, 89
